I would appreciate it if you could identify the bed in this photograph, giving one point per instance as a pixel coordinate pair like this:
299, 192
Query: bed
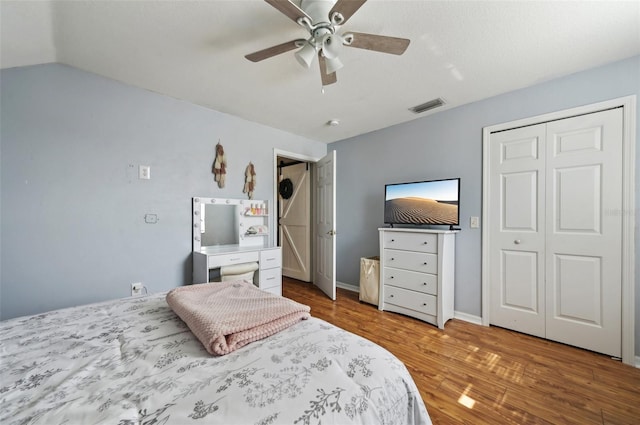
134, 361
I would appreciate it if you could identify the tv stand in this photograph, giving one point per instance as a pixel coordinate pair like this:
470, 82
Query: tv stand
417, 273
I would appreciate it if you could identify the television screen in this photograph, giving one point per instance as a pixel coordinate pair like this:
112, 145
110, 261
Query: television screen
427, 202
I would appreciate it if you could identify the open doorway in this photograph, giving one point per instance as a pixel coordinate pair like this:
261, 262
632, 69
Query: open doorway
308, 240
294, 217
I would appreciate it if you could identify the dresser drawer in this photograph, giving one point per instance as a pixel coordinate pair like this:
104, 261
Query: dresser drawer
421, 242
415, 261
270, 278
216, 261
421, 282
417, 301
270, 258
276, 290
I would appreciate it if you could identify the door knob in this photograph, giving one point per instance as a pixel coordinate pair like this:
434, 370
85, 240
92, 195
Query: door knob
331, 232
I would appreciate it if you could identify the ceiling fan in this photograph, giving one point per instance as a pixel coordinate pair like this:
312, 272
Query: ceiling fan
322, 18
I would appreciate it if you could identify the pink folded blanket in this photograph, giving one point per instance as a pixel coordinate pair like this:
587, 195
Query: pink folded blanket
228, 315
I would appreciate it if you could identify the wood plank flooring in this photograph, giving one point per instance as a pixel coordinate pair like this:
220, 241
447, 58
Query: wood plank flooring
471, 374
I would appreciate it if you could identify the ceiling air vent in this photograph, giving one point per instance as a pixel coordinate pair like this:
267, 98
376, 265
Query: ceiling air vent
435, 103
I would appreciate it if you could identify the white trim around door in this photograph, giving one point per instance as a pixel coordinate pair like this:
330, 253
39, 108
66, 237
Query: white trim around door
628, 104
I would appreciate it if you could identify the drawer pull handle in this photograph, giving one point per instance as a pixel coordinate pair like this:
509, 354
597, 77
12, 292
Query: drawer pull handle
426, 243
393, 240
270, 278
424, 304
425, 263
391, 296
517, 242
390, 277
392, 258
424, 283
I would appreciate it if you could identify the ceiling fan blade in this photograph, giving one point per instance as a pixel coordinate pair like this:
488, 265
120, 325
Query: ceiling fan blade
292, 11
326, 78
346, 8
274, 50
379, 43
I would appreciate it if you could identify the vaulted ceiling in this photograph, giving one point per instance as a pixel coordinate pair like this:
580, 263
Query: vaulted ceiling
460, 51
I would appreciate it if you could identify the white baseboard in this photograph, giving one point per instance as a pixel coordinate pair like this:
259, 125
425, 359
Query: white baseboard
476, 320
638, 362
348, 286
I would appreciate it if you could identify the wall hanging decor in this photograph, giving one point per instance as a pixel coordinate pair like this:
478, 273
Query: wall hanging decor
285, 188
249, 180
220, 166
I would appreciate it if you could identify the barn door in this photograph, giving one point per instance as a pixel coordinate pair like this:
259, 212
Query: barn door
294, 218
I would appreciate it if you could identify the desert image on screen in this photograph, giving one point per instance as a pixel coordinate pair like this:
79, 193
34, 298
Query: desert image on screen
420, 211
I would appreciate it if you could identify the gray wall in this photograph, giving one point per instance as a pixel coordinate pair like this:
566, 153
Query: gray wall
449, 144
72, 207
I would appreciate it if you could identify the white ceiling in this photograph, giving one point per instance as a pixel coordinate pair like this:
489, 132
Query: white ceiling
461, 51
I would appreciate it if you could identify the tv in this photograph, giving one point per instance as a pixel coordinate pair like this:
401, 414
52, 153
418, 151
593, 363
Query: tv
432, 202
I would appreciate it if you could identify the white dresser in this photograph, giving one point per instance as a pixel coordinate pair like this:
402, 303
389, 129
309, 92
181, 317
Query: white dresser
417, 273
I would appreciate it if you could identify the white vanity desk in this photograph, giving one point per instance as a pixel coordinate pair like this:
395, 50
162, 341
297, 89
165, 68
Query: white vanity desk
222, 237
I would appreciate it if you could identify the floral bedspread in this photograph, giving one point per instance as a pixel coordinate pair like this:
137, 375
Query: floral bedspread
133, 361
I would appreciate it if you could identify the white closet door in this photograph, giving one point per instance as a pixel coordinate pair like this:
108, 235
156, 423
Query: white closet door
556, 239
517, 232
584, 231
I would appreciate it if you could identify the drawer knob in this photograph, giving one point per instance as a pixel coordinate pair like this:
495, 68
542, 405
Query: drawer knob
424, 304
424, 283
393, 240
425, 263
426, 243
517, 242
391, 296
390, 277
392, 258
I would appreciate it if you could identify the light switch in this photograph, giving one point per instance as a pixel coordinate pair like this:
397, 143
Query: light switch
144, 172
474, 223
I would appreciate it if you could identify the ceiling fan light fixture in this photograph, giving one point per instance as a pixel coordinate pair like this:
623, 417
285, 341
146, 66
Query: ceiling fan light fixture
306, 55
333, 65
332, 46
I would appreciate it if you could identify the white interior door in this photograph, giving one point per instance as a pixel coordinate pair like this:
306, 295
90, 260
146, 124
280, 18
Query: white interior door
556, 239
517, 232
294, 217
325, 225
584, 231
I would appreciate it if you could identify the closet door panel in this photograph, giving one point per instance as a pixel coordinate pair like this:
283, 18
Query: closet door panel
583, 240
517, 230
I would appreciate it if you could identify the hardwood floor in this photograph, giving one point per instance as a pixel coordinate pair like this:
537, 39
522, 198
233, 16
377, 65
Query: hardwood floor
471, 374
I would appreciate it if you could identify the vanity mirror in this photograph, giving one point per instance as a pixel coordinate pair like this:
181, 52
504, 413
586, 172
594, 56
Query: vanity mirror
219, 222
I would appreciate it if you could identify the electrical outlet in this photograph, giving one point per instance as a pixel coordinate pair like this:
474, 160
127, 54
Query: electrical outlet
136, 289
144, 172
